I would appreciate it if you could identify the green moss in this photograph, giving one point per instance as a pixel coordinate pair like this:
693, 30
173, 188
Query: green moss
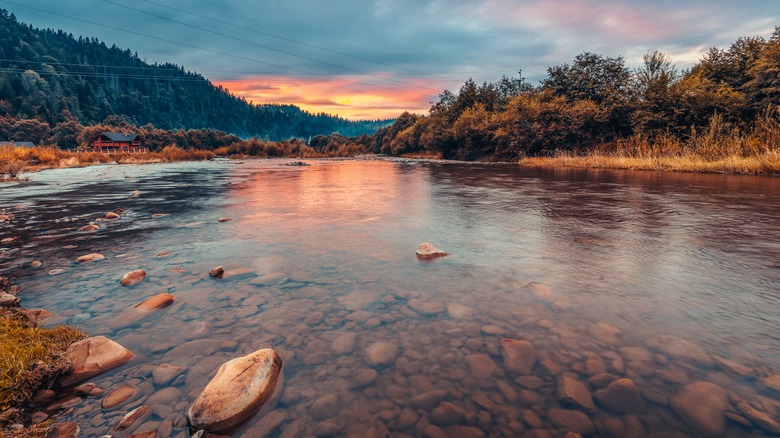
30, 357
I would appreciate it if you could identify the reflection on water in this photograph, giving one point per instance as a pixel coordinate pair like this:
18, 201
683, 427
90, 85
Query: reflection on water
597, 269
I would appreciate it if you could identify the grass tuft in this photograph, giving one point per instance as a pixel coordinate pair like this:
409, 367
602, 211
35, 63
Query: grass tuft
30, 357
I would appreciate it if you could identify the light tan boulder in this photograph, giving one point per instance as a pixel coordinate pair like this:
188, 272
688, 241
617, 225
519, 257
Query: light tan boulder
112, 215
133, 277
92, 356
240, 387
119, 396
89, 228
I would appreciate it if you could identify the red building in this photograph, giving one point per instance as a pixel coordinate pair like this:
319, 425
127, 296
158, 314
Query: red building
111, 142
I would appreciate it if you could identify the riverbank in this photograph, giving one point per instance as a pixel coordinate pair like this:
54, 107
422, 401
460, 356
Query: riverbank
766, 164
32, 358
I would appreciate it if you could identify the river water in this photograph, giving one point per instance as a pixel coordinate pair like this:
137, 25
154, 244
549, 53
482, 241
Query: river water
663, 278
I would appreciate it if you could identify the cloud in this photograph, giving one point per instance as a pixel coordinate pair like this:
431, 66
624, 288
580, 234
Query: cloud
393, 55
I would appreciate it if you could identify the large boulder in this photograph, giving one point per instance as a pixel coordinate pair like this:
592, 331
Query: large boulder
240, 387
702, 406
142, 310
92, 356
8, 300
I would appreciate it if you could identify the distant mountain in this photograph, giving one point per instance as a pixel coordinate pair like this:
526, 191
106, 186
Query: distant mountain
53, 76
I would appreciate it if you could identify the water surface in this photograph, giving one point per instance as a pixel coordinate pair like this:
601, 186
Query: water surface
326, 253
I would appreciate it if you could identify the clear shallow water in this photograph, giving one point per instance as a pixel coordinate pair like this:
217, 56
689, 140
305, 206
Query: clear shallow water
328, 250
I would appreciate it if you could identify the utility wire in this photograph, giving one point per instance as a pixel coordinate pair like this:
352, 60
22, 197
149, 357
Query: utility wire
264, 46
188, 45
292, 40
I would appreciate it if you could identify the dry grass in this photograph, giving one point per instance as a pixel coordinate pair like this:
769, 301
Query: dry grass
16, 160
30, 356
718, 149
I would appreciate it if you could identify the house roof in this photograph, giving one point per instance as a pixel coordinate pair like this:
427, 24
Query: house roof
119, 136
19, 144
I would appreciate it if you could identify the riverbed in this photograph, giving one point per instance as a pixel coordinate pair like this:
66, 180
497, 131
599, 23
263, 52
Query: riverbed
665, 279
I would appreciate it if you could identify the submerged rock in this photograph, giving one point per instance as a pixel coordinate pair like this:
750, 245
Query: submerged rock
133, 277
90, 257
381, 353
112, 215
702, 406
142, 310
89, 228
519, 355
118, 396
575, 394
92, 356
240, 387
426, 251
622, 396
680, 349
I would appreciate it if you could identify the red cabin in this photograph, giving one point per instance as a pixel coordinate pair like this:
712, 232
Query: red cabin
112, 142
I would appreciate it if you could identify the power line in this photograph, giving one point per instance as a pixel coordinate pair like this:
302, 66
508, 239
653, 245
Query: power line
187, 45
291, 40
262, 45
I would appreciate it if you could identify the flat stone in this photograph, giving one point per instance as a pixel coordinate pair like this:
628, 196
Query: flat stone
112, 215
519, 355
464, 432
165, 373
529, 382
133, 277
574, 393
447, 414
92, 356
325, 407
425, 308
680, 349
118, 396
481, 365
224, 219
702, 406
429, 399
90, 257
769, 383
622, 396
134, 418
364, 377
89, 228
381, 353
267, 426
344, 344
571, 420
63, 430
142, 310
241, 386
761, 419
459, 311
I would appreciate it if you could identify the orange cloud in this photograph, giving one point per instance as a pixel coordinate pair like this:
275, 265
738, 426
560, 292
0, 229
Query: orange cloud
355, 98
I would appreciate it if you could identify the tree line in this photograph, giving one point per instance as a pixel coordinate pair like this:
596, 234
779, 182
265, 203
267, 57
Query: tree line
598, 102
52, 82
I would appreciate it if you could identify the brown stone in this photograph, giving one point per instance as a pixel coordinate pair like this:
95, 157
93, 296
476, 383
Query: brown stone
142, 310
425, 308
89, 228
381, 353
464, 432
429, 399
575, 421
759, 418
622, 396
90, 257
112, 215
8, 300
119, 396
133, 277
92, 356
224, 219
325, 407
165, 373
63, 430
240, 387
574, 393
37, 316
519, 356
343, 344
134, 418
701, 405
447, 414
217, 272
769, 383
426, 251
680, 349
481, 366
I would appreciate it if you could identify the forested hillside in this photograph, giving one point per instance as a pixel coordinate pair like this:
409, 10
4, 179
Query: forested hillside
51, 81
728, 104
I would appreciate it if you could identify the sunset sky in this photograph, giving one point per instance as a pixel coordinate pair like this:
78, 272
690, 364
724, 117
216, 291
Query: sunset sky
376, 59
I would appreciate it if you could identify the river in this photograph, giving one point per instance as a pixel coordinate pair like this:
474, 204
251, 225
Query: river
663, 278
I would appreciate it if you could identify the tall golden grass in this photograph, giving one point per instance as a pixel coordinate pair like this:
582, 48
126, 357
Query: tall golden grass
16, 160
720, 148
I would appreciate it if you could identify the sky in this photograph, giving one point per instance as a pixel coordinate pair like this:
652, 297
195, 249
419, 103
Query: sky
374, 59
